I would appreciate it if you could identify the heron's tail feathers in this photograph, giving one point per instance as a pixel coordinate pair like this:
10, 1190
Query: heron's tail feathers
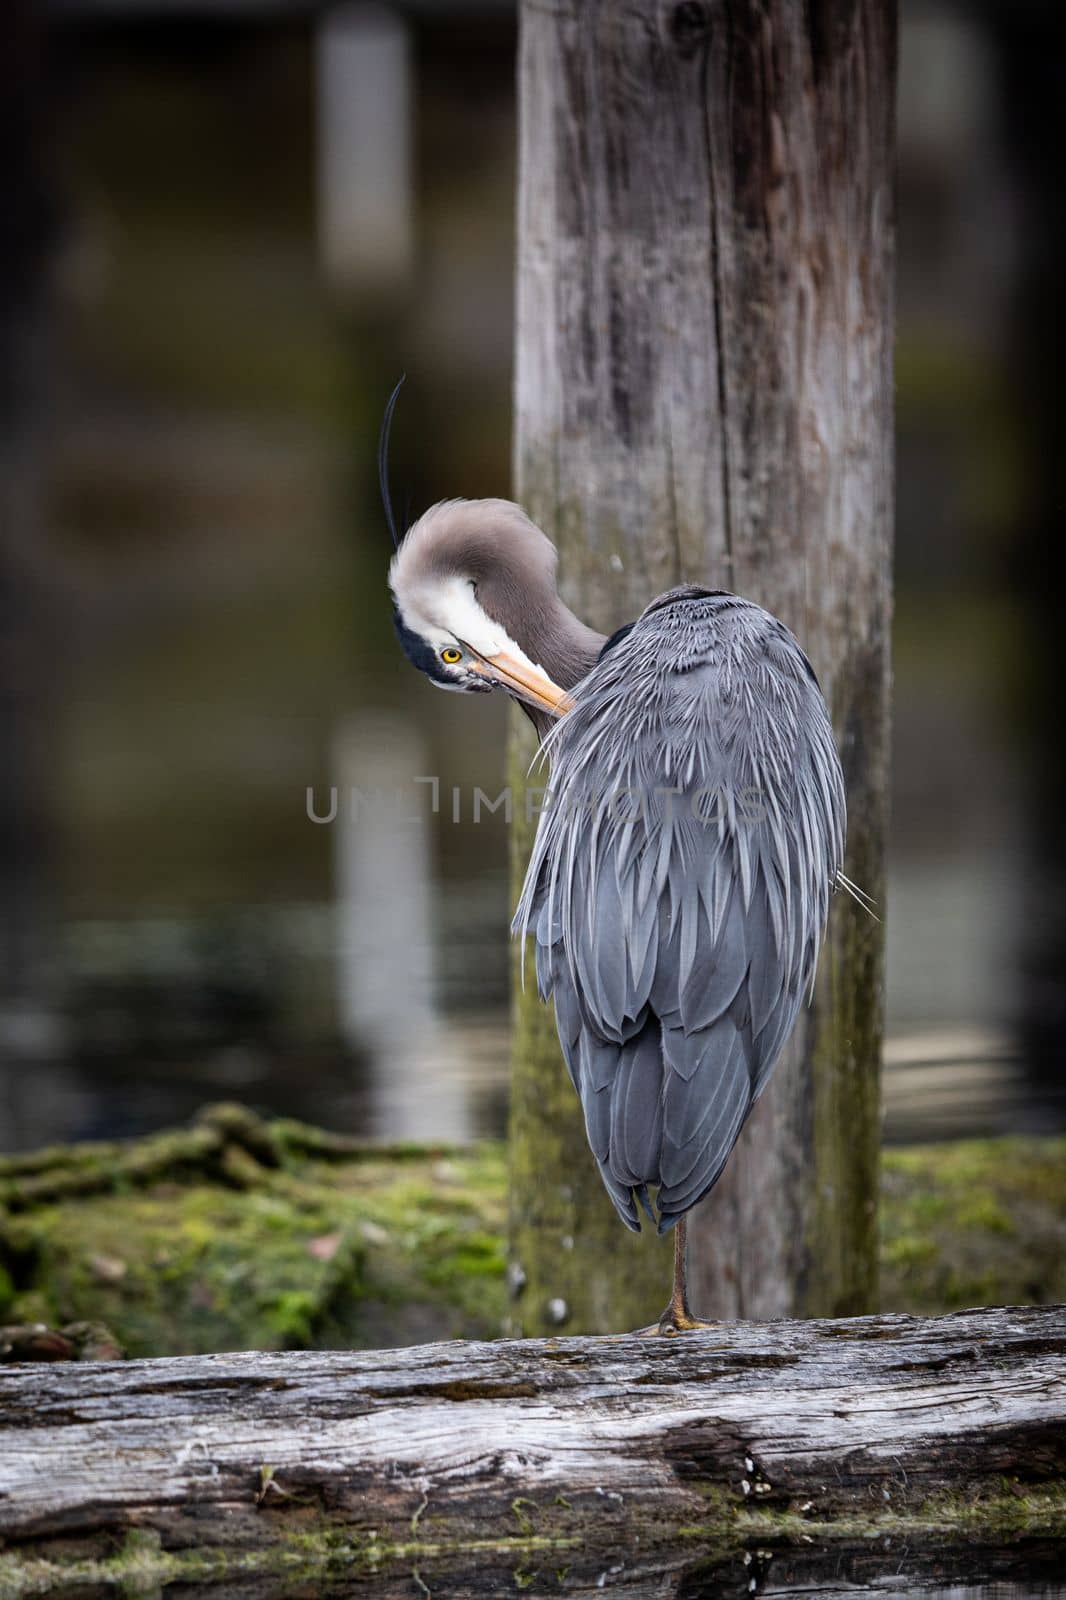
626, 1204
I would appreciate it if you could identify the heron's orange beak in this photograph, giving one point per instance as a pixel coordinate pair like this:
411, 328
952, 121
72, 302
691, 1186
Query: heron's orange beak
530, 684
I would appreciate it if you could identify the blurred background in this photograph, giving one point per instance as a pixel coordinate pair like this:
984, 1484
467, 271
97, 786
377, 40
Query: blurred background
228, 228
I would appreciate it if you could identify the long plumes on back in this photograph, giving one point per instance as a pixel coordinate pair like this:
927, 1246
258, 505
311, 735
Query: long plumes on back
383, 460
678, 937
860, 897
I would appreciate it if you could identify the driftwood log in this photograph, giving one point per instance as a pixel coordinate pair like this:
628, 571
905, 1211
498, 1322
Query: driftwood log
778, 1454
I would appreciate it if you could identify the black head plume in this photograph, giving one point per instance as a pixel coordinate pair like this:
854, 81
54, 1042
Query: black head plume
383, 460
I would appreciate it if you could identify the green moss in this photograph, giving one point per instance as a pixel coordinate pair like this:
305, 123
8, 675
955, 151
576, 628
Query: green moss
841, 1276
978, 1222
141, 1566
988, 1515
244, 1254
907, 1253
239, 1234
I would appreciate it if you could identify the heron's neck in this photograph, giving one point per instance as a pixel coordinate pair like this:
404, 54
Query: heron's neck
562, 644
527, 607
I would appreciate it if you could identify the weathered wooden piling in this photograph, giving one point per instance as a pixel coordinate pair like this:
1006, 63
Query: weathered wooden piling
704, 393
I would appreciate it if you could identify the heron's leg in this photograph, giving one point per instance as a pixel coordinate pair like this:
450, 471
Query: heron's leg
677, 1318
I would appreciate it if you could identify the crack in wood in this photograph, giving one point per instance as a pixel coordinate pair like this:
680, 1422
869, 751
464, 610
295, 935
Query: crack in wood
718, 298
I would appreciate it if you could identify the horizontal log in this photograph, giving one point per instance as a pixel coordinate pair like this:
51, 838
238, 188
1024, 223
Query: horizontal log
627, 1456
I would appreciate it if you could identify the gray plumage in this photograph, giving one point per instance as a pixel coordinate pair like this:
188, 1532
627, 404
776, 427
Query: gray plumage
677, 933
680, 878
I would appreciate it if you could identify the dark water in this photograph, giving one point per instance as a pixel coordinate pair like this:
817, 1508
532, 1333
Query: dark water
163, 1016
1029, 1570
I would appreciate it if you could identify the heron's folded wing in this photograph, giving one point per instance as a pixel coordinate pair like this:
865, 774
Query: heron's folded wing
678, 888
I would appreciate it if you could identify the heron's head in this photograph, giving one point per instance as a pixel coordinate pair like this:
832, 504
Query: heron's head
473, 583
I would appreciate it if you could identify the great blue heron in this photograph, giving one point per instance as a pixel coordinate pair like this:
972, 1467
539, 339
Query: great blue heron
680, 878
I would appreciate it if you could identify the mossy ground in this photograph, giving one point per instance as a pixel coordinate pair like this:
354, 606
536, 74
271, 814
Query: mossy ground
268, 1236
319, 1250
977, 1222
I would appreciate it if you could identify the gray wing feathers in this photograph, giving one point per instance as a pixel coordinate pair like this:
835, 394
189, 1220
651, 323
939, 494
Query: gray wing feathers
678, 933
707, 1095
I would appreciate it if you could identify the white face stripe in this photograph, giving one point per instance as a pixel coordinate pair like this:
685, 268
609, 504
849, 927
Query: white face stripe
450, 614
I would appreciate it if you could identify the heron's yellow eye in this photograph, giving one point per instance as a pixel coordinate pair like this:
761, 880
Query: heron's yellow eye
451, 656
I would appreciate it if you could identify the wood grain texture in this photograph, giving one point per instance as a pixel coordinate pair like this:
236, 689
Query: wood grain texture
704, 392
582, 1452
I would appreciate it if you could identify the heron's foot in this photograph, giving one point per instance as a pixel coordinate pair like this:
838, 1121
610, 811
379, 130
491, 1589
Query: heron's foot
674, 1320
679, 1319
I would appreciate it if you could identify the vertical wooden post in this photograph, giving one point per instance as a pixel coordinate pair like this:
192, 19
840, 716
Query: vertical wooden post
704, 392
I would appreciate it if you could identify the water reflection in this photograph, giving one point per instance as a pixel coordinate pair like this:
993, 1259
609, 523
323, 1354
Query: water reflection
164, 1015
385, 953
889, 1570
